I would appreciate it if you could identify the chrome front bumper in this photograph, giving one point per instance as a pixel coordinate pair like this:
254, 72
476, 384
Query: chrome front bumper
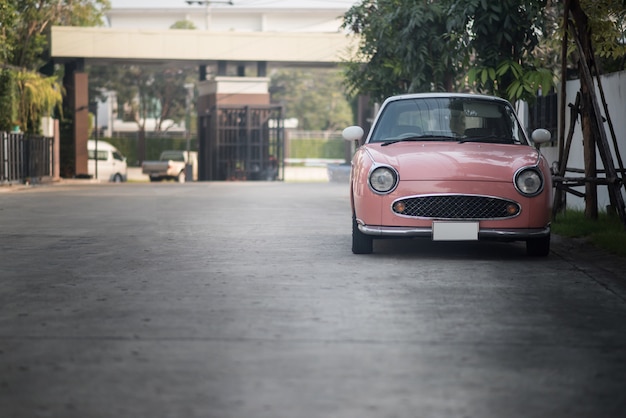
495, 234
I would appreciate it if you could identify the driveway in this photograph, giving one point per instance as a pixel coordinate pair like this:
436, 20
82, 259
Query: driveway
244, 300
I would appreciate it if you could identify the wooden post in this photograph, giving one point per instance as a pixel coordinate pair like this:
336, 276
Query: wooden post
580, 34
596, 129
559, 195
563, 98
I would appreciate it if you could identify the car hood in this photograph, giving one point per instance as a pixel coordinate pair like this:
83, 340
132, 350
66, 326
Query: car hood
454, 161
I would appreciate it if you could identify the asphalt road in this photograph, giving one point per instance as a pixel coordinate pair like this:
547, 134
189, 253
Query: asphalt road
243, 300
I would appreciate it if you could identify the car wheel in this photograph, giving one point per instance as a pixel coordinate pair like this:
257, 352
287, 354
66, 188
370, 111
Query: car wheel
361, 243
181, 177
538, 247
117, 178
154, 178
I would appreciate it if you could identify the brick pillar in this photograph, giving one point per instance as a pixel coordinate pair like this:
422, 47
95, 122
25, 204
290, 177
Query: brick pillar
81, 121
74, 134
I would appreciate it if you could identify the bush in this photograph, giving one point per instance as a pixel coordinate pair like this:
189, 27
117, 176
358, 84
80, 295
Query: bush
154, 147
316, 148
606, 232
8, 104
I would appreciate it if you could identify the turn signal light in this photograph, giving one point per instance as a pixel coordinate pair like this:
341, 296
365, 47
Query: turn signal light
399, 207
512, 209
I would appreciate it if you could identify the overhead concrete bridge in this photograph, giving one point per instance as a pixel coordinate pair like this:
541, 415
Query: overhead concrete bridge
104, 45
213, 52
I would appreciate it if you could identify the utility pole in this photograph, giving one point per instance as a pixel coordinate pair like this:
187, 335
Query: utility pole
207, 4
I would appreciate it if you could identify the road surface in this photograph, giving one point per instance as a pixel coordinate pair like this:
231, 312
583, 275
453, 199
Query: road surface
244, 300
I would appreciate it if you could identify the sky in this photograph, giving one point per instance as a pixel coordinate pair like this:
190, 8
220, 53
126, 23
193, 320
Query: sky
241, 3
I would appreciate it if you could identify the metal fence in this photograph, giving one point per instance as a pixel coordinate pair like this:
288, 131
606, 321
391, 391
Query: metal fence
544, 113
24, 158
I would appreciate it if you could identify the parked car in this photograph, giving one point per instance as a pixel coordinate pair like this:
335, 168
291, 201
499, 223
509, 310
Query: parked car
172, 165
111, 164
449, 167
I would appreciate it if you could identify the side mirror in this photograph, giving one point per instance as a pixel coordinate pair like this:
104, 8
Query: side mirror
541, 136
353, 133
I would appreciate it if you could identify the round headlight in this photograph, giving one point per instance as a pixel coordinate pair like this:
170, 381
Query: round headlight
529, 182
383, 179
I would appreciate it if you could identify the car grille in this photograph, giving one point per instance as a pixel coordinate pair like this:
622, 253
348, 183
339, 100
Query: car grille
456, 207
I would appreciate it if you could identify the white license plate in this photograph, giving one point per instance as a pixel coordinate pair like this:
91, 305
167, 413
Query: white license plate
455, 231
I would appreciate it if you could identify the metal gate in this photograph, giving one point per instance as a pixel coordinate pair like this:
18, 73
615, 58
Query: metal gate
24, 158
241, 143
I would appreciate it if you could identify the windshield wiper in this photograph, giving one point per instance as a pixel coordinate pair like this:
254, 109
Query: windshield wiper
417, 138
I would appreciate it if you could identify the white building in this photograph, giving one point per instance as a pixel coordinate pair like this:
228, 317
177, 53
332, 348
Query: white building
288, 16
241, 16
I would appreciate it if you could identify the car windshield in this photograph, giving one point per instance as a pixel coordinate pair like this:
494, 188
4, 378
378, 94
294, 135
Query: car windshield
457, 119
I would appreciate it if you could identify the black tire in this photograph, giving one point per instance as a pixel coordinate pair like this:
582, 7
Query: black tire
361, 243
117, 178
538, 247
154, 179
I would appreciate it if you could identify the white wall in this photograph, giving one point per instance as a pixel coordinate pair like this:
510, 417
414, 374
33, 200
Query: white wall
614, 86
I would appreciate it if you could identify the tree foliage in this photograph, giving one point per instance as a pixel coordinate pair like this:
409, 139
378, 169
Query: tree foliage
504, 35
37, 96
433, 45
183, 24
315, 97
8, 104
25, 26
405, 47
607, 20
8, 17
24, 44
145, 91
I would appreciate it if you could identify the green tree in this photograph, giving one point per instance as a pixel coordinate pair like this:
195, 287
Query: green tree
183, 24
31, 22
8, 17
504, 35
24, 44
314, 96
406, 47
37, 96
434, 45
8, 104
145, 92
607, 22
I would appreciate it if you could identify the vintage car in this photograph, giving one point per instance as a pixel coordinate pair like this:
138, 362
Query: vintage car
449, 167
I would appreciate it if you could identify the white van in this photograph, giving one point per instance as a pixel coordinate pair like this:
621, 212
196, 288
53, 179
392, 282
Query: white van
111, 163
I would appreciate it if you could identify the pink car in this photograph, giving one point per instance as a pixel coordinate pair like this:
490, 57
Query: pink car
449, 167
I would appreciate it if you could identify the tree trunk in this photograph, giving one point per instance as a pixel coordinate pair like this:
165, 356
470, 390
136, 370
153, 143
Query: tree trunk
141, 145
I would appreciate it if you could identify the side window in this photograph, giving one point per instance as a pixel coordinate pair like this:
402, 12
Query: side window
102, 155
118, 156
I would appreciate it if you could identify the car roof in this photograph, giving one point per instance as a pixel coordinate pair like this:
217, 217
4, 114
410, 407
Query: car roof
445, 95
